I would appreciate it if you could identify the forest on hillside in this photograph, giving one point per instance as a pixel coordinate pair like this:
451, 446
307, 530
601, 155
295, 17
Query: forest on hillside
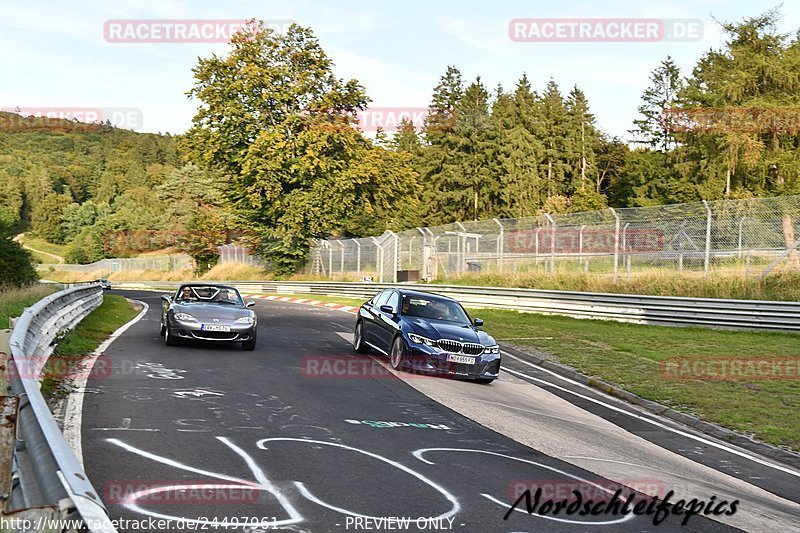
274, 152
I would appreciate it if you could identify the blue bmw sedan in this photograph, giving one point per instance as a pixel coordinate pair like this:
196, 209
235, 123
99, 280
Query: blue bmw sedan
426, 333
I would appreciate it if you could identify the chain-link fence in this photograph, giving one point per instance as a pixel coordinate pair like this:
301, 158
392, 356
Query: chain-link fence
163, 263
728, 237
235, 253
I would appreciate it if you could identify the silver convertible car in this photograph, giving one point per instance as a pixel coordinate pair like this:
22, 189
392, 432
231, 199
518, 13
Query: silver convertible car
209, 313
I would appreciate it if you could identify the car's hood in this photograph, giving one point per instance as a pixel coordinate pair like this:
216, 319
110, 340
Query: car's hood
439, 329
201, 310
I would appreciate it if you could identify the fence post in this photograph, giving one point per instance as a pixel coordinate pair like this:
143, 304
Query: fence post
616, 241
500, 244
739, 248
341, 263
330, 259
358, 257
378, 259
580, 244
552, 243
708, 240
625, 252
396, 261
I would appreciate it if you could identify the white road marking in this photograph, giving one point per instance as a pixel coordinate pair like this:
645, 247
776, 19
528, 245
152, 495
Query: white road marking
420, 452
73, 409
456, 507
642, 418
262, 479
197, 393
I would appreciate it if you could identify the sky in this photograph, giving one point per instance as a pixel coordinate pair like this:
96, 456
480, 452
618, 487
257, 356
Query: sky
55, 55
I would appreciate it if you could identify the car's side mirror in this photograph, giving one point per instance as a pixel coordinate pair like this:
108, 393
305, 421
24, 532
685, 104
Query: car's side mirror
387, 309
166, 297
249, 303
478, 322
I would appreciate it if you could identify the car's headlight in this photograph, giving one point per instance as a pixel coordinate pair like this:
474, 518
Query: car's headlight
245, 320
419, 339
491, 349
185, 317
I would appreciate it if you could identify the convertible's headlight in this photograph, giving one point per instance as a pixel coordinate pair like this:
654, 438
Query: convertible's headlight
185, 317
245, 320
419, 339
491, 349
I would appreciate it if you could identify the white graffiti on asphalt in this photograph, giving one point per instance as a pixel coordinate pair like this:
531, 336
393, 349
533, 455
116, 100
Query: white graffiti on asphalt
157, 371
262, 482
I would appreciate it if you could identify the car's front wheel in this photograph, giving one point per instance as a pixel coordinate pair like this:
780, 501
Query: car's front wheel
169, 340
396, 354
358, 339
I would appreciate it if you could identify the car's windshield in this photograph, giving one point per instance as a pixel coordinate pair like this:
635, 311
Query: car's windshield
433, 308
210, 294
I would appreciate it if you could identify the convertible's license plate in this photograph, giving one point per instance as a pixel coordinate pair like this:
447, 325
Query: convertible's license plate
214, 327
461, 359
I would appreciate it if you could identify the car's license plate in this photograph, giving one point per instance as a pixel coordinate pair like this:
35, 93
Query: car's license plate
461, 359
214, 327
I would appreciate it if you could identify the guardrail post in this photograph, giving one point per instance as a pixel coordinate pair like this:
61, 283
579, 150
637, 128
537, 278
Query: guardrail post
616, 242
708, 240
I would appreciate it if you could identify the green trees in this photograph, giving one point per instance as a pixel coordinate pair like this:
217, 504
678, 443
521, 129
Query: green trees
728, 129
274, 118
505, 154
274, 153
16, 263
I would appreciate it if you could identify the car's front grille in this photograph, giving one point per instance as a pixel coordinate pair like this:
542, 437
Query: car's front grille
215, 335
472, 349
467, 348
449, 346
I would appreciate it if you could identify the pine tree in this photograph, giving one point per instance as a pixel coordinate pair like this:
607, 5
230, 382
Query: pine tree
656, 127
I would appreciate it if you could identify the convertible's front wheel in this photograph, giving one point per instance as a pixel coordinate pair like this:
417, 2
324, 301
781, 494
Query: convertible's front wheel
396, 355
169, 340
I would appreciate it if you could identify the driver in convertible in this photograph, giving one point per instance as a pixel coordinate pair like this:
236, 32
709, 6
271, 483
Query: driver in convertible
186, 295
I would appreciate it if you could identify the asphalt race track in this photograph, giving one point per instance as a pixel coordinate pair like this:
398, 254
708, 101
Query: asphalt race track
305, 435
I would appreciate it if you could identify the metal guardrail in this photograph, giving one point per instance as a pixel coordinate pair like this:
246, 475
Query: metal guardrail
47, 472
640, 309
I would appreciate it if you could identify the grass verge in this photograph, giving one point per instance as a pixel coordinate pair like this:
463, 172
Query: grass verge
635, 358
83, 340
14, 301
782, 286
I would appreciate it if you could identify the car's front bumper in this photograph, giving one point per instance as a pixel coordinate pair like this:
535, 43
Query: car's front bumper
191, 331
428, 360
